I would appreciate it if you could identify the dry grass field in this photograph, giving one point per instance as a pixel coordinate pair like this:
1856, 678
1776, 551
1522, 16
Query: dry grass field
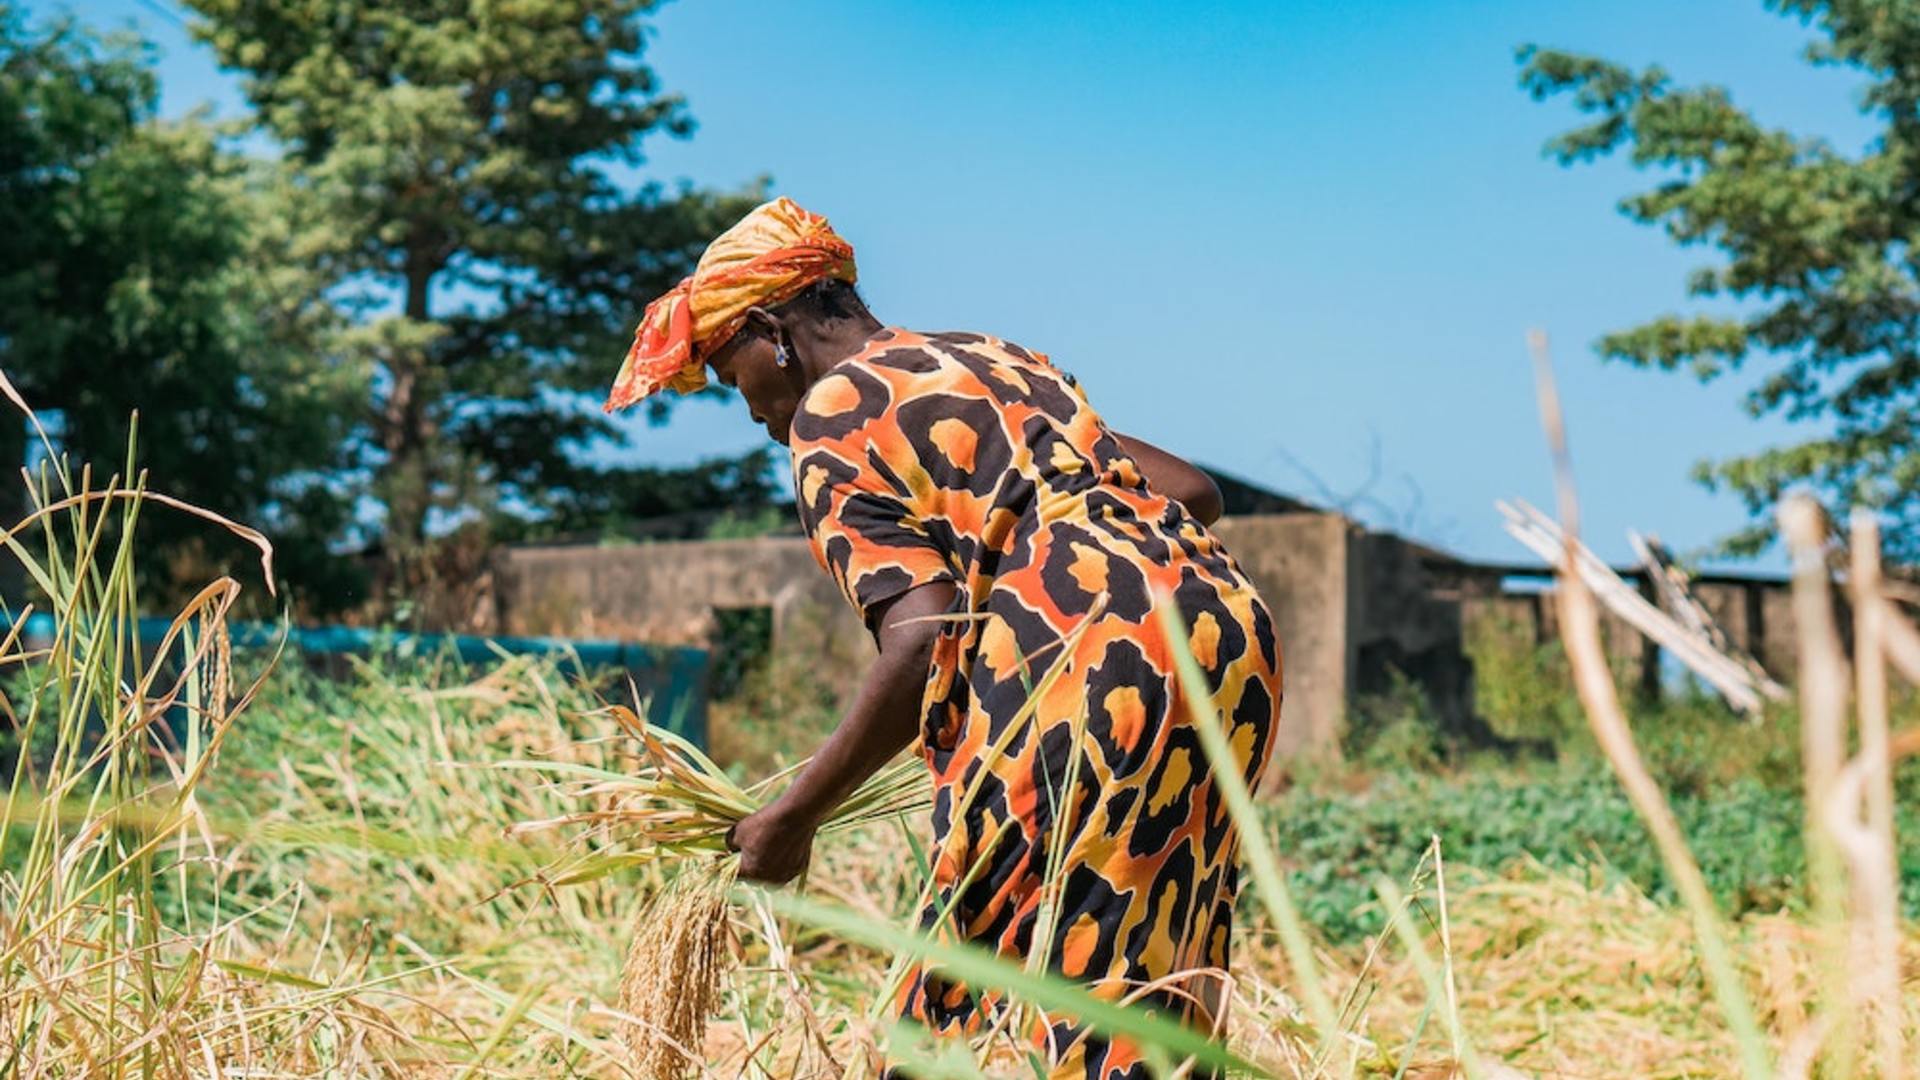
218, 865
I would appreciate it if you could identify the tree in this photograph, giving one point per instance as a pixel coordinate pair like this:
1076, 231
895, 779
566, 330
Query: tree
739, 496
136, 278
1819, 249
467, 172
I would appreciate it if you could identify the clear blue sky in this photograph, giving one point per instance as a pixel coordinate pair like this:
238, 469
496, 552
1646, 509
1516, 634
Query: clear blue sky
1270, 237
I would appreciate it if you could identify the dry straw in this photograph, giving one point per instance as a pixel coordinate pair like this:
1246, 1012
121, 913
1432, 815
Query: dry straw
671, 984
672, 812
1580, 633
1852, 870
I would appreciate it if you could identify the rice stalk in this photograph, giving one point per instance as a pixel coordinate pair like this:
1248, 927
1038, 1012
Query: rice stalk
675, 811
677, 804
109, 966
671, 983
1593, 680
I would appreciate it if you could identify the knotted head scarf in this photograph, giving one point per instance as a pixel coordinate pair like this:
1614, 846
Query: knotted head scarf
767, 259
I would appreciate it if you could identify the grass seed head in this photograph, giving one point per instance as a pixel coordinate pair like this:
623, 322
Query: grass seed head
680, 954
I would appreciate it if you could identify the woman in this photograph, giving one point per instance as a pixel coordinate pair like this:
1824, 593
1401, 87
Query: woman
1000, 542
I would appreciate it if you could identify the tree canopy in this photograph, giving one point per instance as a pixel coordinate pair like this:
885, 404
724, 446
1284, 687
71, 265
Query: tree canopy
139, 277
1817, 254
466, 177
383, 334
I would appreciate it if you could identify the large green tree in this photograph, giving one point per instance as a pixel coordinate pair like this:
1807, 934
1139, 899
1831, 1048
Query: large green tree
468, 172
1819, 252
137, 276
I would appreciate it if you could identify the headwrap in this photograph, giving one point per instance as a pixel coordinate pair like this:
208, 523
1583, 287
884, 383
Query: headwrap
765, 260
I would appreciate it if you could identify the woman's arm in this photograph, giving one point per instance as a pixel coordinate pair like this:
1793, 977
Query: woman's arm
1176, 478
775, 842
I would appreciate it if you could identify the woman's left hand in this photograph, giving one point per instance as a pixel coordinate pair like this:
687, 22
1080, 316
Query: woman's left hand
774, 844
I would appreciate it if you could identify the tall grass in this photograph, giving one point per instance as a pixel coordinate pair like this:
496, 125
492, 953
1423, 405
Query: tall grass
213, 865
106, 969
153, 926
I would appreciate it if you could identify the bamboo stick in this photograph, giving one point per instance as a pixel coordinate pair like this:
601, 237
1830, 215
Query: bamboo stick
1868, 846
1823, 735
1580, 631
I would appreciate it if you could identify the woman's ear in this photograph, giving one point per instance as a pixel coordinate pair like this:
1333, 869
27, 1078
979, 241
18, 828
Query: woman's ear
762, 321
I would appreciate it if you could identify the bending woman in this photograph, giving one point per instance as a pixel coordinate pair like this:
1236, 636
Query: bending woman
991, 529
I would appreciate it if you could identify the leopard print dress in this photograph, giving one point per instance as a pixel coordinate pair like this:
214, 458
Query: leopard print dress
962, 458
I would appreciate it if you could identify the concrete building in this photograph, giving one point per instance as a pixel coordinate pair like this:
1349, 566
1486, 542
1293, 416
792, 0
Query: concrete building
1354, 606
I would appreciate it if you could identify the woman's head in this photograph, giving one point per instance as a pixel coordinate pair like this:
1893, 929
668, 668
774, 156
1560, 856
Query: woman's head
779, 352
759, 267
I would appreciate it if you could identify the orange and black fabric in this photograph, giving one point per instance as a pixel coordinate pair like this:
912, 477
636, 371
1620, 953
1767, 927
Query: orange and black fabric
962, 458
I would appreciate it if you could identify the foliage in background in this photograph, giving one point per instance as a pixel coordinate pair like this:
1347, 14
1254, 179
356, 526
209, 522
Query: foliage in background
389, 338
1735, 785
142, 272
688, 502
1521, 687
466, 182
767, 710
1747, 835
1817, 248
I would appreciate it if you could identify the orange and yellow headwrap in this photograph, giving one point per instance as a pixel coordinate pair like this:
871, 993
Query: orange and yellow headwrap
765, 260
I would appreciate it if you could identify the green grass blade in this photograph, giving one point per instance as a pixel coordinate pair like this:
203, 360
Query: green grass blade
986, 970
1269, 882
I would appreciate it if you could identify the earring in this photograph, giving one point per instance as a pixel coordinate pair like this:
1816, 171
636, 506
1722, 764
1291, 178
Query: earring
780, 354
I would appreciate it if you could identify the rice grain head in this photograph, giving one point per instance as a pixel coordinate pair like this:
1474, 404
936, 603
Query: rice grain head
681, 953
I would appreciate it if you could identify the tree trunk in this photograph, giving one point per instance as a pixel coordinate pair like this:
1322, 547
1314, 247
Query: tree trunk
14, 504
405, 432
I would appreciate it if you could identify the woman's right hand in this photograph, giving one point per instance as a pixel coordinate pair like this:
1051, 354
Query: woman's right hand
774, 843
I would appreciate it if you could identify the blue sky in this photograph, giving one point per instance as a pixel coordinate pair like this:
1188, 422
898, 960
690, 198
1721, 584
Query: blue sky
1288, 240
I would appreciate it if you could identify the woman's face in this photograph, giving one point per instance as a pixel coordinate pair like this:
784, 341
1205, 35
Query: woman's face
772, 392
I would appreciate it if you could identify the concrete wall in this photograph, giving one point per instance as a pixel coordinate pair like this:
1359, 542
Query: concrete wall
1302, 565
1758, 617
1352, 607
667, 593
1406, 627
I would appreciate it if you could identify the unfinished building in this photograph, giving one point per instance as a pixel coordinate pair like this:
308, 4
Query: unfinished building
1357, 609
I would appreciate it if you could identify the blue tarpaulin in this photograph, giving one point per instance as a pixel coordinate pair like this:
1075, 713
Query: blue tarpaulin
672, 678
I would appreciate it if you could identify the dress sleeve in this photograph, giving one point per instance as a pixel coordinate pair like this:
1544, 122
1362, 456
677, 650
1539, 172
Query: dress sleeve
862, 525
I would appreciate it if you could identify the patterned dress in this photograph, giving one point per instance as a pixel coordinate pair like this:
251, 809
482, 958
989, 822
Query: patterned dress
965, 459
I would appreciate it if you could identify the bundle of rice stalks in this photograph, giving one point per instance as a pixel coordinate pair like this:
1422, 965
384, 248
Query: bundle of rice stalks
673, 813
679, 955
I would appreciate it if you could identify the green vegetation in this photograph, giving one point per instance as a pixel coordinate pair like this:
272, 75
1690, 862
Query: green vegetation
1816, 254
386, 302
1569, 818
143, 271
351, 876
1734, 783
363, 845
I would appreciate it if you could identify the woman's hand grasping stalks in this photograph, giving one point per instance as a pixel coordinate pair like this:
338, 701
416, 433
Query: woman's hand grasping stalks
776, 841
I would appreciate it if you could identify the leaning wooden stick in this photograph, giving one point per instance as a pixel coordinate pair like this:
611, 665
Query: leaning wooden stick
1545, 538
1670, 584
